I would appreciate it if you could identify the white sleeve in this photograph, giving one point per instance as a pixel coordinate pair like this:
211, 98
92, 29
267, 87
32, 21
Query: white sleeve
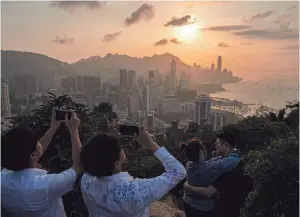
140, 193
61, 183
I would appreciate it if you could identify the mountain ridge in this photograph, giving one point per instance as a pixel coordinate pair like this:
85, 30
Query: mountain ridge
23, 62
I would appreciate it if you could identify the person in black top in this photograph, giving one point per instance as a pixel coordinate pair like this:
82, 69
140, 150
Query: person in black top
232, 187
231, 190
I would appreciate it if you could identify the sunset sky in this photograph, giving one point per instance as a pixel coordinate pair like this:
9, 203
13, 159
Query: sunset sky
249, 35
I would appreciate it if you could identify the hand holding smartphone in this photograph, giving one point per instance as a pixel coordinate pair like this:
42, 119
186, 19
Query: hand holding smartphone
128, 130
61, 114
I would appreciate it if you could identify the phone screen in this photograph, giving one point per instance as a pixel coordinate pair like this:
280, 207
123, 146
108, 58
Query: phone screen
129, 130
60, 114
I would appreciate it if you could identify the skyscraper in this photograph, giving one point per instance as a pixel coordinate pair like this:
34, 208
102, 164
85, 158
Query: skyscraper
219, 67
202, 108
5, 103
217, 121
69, 84
18, 86
131, 79
151, 77
123, 77
212, 67
173, 73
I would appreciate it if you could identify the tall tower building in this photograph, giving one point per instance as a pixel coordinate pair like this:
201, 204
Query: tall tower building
131, 79
219, 67
173, 73
151, 77
123, 77
212, 67
5, 103
202, 108
217, 121
147, 98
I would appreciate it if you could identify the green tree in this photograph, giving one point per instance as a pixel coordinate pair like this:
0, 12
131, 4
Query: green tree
275, 171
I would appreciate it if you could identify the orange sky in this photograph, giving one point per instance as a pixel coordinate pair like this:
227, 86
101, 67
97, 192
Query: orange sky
249, 35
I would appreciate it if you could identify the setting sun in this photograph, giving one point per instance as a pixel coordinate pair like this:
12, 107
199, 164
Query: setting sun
188, 33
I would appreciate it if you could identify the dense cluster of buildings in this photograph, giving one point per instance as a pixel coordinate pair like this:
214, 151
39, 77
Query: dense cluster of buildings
140, 100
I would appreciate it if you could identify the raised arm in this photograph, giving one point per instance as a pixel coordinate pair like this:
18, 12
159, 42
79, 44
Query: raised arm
73, 125
141, 193
62, 183
46, 139
221, 165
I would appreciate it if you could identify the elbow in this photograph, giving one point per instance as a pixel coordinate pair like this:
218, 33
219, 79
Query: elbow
181, 172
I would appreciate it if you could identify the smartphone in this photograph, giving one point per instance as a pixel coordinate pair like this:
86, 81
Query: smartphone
61, 114
128, 130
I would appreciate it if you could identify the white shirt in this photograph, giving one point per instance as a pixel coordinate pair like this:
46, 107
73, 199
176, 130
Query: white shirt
121, 195
32, 192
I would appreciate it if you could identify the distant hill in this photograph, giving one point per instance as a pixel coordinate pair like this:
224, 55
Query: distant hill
111, 63
27, 63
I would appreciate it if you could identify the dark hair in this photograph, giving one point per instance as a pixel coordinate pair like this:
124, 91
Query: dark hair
229, 134
193, 148
99, 154
17, 146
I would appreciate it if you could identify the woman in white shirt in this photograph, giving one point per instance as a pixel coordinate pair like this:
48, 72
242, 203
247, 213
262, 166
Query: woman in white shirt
108, 192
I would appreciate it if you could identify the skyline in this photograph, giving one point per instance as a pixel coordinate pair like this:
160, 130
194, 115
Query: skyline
264, 33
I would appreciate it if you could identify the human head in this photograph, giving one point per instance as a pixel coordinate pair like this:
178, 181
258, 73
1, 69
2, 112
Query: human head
102, 155
226, 141
195, 151
20, 149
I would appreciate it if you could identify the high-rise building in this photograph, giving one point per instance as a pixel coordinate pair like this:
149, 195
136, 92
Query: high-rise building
131, 79
30, 84
217, 121
219, 67
123, 77
69, 84
18, 86
132, 103
156, 95
5, 103
151, 77
212, 67
150, 121
147, 93
202, 108
173, 73
79, 84
171, 104
90, 84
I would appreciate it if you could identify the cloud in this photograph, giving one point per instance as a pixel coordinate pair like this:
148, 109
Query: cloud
146, 12
175, 41
246, 43
227, 28
182, 21
70, 6
283, 18
268, 34
112, 36
223, 44
63, 40
259, 16
291, 47
161, 42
